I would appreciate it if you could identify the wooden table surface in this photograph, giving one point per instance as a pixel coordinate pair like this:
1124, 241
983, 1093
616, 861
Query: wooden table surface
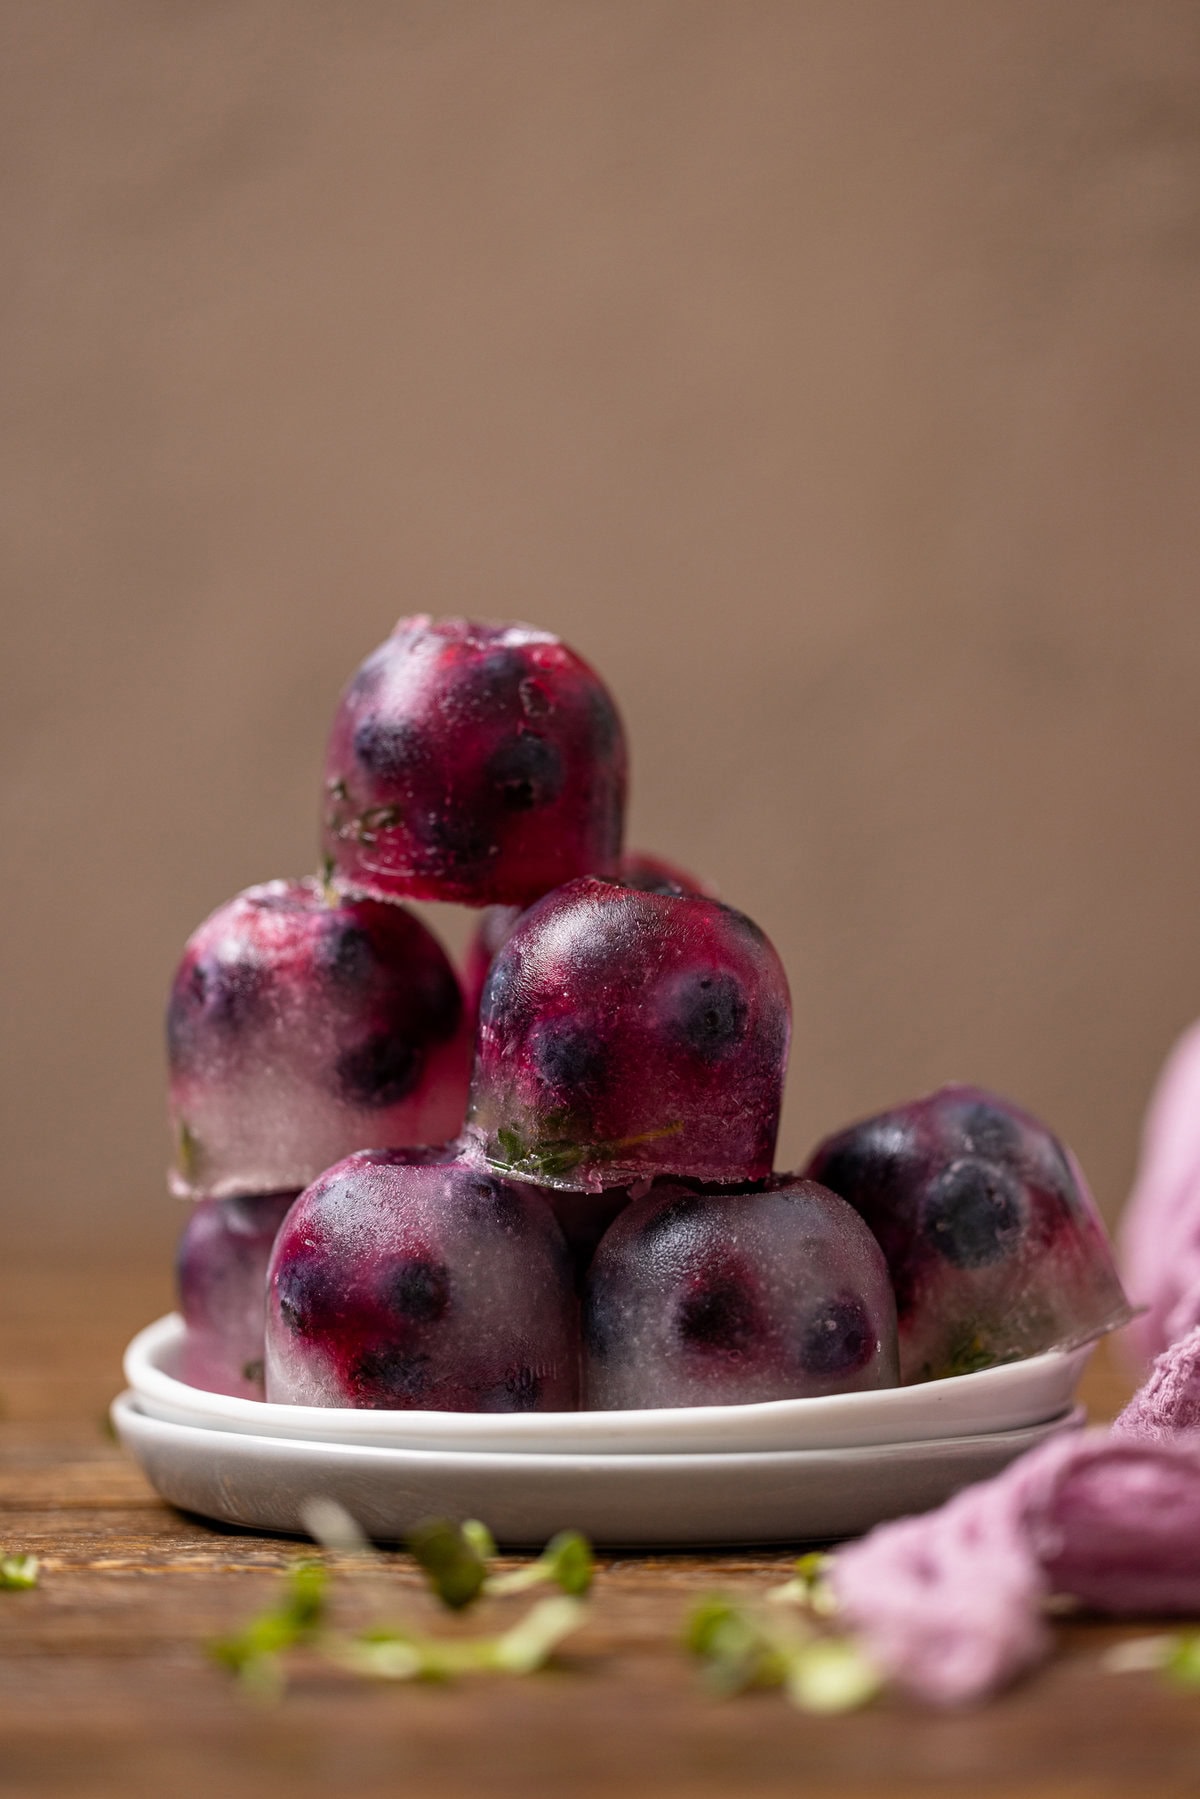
105, 1688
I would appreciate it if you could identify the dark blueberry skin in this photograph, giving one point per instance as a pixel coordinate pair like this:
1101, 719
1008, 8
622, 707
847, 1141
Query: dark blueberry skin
387, 1378
390, 751
210, 996
711, 1015
568, 1056
973, 1213
718, 1316
418, 1289
526, 772
308, 1297
378, 1072
838, 1338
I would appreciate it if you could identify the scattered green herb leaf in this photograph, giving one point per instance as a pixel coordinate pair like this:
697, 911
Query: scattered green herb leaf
809, 1586
742, 1647
451, 1562
565, 1562
18, 1573
253, 1653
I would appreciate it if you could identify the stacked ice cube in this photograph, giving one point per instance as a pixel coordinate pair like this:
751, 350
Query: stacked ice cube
557, 1187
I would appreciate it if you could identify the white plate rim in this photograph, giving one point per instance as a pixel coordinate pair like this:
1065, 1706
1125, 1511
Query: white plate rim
1011, 1396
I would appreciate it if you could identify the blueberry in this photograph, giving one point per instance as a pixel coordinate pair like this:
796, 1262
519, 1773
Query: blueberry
494, 682
308, 1297
454, 837
418, 1290
717, 1315
526, 772
389, 749
973, 1213
989, 1132
221, 996
489, 1201
519, 1391
837, 1339
344, 953
387, 1376
378, 1072
865, 1162
569, 1057
710, 1014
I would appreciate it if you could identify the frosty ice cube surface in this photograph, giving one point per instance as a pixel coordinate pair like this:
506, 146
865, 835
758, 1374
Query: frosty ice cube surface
724, 1299
221, 1276
410, 1280
995, 1245
479, 763
651, 874
625, 1034
301, 1026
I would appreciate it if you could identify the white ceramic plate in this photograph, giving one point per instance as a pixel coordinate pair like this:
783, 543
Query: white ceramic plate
651, 1501
995, 1399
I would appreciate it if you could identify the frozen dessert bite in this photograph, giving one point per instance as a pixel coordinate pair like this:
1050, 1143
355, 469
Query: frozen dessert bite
411, 1280
648, 873
624, 1035
995, 1245
221, 1279
479, 763
302, 1025
727, 1298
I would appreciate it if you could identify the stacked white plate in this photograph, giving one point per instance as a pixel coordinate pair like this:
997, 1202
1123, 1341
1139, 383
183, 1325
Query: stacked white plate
789, 1471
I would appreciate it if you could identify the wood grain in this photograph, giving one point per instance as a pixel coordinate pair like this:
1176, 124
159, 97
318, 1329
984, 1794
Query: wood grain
105, 1688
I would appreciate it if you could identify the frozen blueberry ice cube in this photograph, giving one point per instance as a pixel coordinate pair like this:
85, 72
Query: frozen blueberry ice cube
479, 763
221, 1276
302, 1025
994, 1243
650, 874
698, 1298
625, 1034
411, 1280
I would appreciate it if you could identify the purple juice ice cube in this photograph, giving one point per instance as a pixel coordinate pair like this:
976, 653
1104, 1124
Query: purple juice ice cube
479, 763
728, 1298
994, 1243
625, 1034
221, 1275
650, 874
303, 1025
410, 1280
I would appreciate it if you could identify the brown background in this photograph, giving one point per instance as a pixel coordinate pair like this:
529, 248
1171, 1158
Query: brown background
829, 374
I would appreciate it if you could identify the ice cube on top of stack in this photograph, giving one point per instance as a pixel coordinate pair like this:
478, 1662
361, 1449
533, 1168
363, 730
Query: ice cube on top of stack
994, 1243
302, 1025
625, 1034
483, 764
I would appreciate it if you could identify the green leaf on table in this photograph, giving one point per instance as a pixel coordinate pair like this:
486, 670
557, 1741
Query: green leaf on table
253, 1652
742, 1646
809, 1586
400, 1654
451, 1561
18, 1573
565, 1562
